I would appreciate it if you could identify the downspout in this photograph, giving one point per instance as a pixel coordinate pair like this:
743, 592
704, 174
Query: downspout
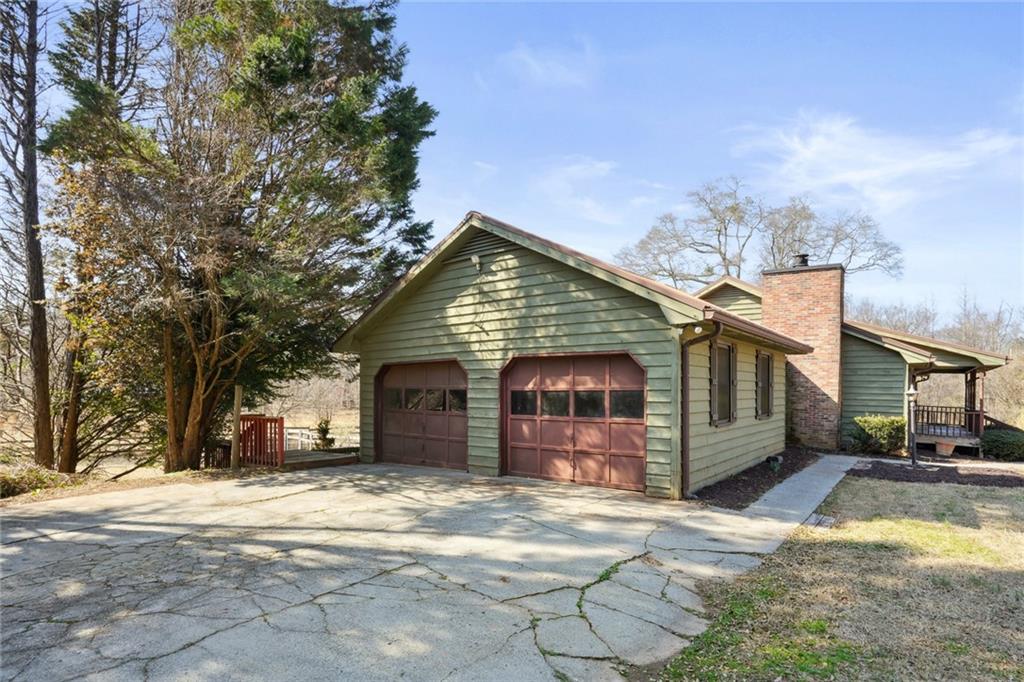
716, 330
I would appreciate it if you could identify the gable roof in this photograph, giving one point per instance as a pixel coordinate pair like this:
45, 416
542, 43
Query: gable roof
916, 350
729, 280
678, 307
942, 354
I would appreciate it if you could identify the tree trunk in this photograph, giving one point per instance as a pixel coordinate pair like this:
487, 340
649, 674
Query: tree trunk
236, 430
38, 346
68, 460
172, 458
192, 442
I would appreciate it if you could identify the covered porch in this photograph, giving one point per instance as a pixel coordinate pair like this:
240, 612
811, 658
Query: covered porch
947, 426
942, 412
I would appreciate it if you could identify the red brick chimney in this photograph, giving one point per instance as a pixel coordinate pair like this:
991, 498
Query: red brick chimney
806, 302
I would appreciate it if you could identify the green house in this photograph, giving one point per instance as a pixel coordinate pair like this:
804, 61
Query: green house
503, 353
856, 368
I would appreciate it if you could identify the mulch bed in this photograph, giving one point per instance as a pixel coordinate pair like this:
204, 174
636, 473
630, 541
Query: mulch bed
925, 473
743, 489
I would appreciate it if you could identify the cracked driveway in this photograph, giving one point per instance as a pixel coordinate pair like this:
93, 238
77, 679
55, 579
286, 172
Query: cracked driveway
366, 572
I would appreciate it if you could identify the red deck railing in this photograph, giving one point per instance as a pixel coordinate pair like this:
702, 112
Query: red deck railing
949, 422
262, 441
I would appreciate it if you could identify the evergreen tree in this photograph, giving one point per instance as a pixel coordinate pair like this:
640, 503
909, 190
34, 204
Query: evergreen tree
261, 207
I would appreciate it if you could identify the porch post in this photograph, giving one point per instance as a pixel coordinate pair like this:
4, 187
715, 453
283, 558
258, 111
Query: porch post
981, 403
911, 423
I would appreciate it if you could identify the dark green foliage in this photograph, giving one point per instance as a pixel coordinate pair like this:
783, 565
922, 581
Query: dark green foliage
1005, 444
323, 433
878, 434
271, 204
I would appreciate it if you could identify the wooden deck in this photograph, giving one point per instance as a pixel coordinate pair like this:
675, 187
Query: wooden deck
295, 460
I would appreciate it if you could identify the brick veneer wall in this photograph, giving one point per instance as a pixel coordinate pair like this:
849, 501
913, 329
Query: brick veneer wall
807, 304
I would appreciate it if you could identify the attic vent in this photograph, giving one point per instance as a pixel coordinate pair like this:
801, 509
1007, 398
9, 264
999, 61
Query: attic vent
800, 260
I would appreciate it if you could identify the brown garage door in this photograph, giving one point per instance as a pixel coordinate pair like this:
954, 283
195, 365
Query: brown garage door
578, 418
423, 415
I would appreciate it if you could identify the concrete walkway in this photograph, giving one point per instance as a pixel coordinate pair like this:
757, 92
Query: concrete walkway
371, 573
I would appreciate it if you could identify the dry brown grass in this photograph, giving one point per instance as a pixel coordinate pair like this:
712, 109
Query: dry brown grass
916, 581
82, 484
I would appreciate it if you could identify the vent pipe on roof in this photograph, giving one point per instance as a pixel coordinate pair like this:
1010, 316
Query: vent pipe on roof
800, 260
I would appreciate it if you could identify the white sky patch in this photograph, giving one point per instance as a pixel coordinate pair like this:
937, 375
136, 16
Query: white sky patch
572, 184
557, 67
838, 161
485, 170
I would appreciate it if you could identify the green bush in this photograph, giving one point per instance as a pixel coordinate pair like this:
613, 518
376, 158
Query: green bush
1005, 444
17, 480
323, 433
878, 434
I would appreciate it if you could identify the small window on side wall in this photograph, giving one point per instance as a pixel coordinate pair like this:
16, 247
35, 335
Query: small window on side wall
765, 385
723, 383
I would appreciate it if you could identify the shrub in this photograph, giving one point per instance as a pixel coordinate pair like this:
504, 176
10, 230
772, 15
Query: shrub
1005, 444
878, 434
323, 432
26, 478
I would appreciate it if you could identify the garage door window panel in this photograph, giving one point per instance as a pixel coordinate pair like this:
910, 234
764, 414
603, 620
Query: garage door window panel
524, 403
413, 398
457, 400
627, 404
554, 403
589, 404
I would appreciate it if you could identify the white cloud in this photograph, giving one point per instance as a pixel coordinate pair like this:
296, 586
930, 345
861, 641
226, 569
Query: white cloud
837, 160
484, 170
572, 184
575, 66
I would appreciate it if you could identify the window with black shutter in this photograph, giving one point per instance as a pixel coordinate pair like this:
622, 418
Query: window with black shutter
723, 383
764, 385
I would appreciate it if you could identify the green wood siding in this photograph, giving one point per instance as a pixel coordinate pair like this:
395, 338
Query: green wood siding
720, 451
736, 301
524, 303
874, 380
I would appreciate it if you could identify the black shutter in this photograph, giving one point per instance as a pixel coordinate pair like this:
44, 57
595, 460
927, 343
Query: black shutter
770, 407
733, 383
758, 407
713, 368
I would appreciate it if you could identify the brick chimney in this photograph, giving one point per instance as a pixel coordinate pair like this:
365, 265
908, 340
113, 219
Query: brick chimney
806, 303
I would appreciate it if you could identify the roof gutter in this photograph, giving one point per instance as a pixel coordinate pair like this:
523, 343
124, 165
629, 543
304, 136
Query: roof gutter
715, 332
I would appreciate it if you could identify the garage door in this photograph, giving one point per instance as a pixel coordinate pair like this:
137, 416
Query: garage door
423, 415
578, 419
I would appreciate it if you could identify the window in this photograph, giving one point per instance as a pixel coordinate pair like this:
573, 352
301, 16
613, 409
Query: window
589, 404
456, 400
435, 399
554, 403
524, 402
413, 398
392, 398
627, 404
723, 383
764, 384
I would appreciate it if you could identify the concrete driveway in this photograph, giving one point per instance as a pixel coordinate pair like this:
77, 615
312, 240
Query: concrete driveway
371, 573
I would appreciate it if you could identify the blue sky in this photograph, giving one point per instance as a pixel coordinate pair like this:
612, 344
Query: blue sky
584, 122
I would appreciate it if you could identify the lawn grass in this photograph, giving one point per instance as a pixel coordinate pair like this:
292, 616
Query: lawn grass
915, 581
